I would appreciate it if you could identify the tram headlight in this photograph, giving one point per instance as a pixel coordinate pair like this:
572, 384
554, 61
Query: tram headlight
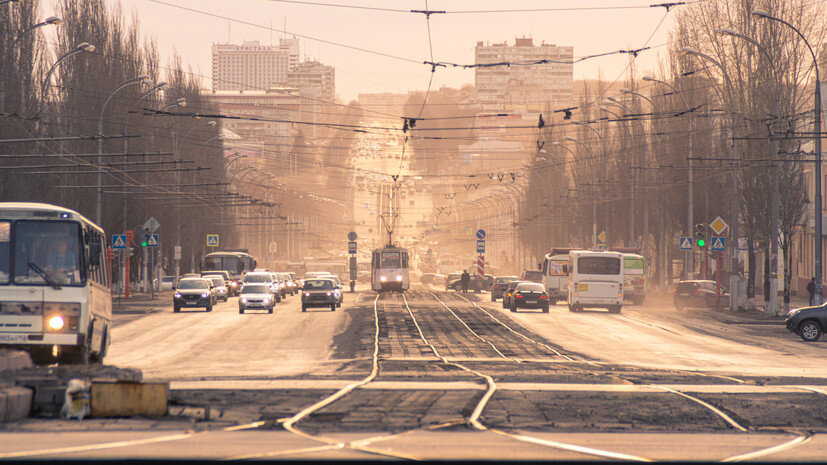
399, 277
56, 323
383, 278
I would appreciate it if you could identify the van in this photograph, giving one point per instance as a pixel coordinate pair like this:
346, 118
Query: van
595, 280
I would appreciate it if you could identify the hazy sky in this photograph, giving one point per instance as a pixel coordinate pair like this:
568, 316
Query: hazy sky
405, 35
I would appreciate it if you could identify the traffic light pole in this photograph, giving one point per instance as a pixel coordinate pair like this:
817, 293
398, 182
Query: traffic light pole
145, 261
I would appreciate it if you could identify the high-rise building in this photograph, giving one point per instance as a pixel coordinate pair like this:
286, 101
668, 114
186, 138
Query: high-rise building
314, 80
252, 66
526, 87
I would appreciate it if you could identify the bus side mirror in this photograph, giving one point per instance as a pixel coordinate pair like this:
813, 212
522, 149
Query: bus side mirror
95, 255
540, 266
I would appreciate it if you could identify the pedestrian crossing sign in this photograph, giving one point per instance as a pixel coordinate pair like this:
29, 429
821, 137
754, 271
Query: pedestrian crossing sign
152, 240
212, 240
119, 241
686, 243
718, 244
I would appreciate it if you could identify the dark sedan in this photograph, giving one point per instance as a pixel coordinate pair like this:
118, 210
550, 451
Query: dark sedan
500, 283
193, 292
529, 295
509, 291
319, 292
698, 293
808, 322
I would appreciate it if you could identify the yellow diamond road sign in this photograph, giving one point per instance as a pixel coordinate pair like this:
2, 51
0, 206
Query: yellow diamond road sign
718, 226
602, 236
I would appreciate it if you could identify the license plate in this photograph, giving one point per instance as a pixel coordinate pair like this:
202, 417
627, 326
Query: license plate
684, 293
192, 303
11, 338
582, 288
531, 301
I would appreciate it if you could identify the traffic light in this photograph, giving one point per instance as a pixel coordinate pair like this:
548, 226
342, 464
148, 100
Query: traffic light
144, 234
700, 235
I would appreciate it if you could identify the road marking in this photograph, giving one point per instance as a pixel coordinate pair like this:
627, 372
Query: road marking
721, 414
94, 447
771, 450
573, 448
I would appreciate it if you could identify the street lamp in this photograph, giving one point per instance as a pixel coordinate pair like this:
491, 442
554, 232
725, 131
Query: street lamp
688, 262
735, 281
817, 299
48, 21
774, 203
81, 47
3, 2
99, 196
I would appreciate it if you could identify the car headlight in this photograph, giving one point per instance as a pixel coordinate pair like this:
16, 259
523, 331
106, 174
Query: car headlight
383, 278
235, 283
206, 294
56, 323
266, 300
244, 300
399, 277
290, 283
793, 312
177, 295
329, 294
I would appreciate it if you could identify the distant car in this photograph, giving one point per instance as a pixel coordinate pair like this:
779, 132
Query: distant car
698, 293
475, 284
427, 278
167, 282
264, 277
338, 291
282, 284
529, 295
808, 322
500, 283
508, 292
256, 296
533, 276
191, 275
450, 279
319, 292
232, 286
193, 292
219, 286
439, 279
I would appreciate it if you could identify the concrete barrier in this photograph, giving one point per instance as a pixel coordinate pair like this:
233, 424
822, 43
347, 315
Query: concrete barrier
15, 403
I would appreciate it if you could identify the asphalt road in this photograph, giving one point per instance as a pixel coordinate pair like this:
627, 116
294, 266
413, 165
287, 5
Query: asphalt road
449, 377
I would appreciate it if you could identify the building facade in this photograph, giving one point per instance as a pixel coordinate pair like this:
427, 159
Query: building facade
525, 87
252, 66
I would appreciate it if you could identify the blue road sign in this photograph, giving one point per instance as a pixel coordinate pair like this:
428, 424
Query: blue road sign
636, 244
686, 243
152, 240
351, 247
481, 234
480, 246
212, 240
119, 241
718, 244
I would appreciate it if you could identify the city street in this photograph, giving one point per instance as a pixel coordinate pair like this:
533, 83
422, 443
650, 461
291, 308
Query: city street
458, 377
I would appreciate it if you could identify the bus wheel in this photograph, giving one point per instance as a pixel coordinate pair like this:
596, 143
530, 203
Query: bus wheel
98, 357
614, 309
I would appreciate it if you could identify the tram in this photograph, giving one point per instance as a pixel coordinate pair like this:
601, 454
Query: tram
389, 269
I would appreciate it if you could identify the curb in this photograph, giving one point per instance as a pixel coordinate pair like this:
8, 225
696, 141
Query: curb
11, 360
15, 404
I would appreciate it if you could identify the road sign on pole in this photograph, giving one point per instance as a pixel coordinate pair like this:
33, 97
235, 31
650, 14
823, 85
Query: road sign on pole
685, 243
351, 247
718, 244
481, 266
718, 226
119, 241
351, 236
152, 240
212, 240
480, 246
152, 224
481, 234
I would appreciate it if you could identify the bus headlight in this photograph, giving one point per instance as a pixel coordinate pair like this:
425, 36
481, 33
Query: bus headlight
56, 323
399, 277
383, 278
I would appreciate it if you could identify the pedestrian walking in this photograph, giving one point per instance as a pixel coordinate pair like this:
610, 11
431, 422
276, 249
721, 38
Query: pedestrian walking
464, 279
811, 289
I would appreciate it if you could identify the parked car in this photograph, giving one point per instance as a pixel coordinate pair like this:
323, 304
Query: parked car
509, 291
193, 292
219, 287
808, 322
451, 279
167, 282
698, 293
264, 277
529, 295
256, 296
534, 276
500, 283
319, 292
475, 284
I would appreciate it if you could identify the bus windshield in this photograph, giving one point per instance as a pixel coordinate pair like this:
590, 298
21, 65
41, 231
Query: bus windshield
50, 248
598, 265
229, 263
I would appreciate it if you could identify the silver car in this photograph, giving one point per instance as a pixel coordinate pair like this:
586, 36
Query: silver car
220, 287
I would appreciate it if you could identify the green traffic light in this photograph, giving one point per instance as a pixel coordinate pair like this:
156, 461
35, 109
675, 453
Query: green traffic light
143, 244
701, 242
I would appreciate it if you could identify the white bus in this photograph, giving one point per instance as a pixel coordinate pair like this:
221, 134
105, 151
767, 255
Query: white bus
55, 300
555, 269
634, 278
595, 280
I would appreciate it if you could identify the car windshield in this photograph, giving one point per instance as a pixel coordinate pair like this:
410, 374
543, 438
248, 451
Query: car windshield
534, 275
52, 248
318, 284
186, 284
255, 289
257, 278
507, 279
534, 287
217, 281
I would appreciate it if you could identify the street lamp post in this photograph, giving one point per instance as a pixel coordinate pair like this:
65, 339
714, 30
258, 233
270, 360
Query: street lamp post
688, 262
817, 298
774, 203
99, 193
735, 281
48, 21
81, 47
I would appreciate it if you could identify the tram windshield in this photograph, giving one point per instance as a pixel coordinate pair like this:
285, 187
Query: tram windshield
390, 260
